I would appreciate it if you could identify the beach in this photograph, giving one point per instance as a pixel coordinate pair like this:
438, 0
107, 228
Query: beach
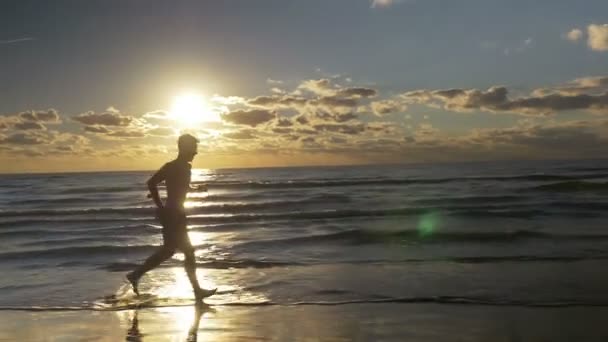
455, 252
356, 322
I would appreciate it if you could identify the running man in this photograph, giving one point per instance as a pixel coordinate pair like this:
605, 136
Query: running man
176, 175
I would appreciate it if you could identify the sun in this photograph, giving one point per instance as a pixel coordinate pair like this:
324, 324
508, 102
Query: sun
191, 108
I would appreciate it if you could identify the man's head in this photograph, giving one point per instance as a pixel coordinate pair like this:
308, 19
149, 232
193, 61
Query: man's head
187, 145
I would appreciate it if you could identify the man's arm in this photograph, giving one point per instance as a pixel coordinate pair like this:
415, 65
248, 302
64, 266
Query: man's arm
153, 182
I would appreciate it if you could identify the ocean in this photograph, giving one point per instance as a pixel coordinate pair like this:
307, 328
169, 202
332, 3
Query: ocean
530, 234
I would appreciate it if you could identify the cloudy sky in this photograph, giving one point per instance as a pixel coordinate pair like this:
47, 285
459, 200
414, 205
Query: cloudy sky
109, 85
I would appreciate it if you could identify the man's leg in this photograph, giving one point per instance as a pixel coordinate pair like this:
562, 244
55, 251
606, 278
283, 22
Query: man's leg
190, 267
162, 254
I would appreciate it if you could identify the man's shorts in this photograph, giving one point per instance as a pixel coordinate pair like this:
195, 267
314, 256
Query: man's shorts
175, 233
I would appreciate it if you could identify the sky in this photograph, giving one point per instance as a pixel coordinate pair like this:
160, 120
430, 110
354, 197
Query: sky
110, 85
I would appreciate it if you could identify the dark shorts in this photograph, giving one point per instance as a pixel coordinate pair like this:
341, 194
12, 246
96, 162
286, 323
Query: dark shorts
175, 233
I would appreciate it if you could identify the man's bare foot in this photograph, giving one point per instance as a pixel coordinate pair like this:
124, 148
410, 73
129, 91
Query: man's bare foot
201, 294
134, 281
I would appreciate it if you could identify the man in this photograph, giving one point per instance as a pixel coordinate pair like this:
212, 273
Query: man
176, 175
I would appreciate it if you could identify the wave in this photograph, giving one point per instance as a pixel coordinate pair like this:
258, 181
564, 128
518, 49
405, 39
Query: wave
104, 305
55, 235
102, 188
313, 183
85, 211
54, 201
210, 208
486, 211
573, 186
26, 221
80, 251
247, 212
363, 236
221, 264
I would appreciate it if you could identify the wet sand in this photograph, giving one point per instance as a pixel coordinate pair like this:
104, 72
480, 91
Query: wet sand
355, 322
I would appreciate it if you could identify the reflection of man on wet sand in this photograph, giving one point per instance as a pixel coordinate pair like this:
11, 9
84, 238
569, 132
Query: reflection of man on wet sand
134, 334
176, 175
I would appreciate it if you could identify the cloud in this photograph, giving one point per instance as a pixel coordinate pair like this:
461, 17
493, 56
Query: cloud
384, 3
108, 118
249, 117
357, 92
570, 137
278, 102
96, 129
597, 37
282, 130
271, 81
384, 107
340, 128
574, 35
27, 138
47, 116
27, 125
240, 135
157, 115
595, 85
126, 134
321, 100
17, 40
283, 122
320, 87
495, 100
336, 101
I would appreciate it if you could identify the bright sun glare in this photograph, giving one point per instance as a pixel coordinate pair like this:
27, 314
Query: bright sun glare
191, 108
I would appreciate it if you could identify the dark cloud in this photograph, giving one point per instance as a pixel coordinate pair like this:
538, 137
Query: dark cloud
306, 131
336, 101
97, 129
344, 117
495, 99
278, 101
282, 130
556, 102
574, 135
29, 125
48, 116
25, 139
249, 117
302, 119
284, 122
596, 85
340, 128
109, 118
357, 92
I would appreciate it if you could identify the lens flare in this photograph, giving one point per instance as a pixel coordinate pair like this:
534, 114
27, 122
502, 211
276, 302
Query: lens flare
428, 224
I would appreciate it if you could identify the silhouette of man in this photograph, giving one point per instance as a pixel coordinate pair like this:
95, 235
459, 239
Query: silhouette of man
176, 175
